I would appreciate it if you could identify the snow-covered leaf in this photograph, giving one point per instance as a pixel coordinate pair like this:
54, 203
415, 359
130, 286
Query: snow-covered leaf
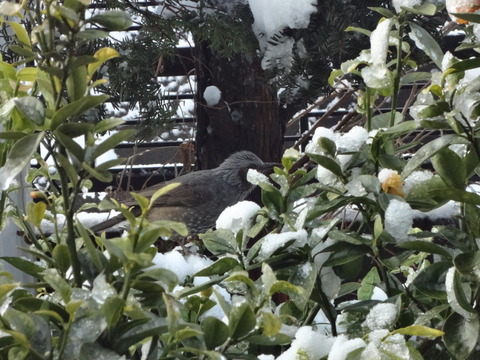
427, 43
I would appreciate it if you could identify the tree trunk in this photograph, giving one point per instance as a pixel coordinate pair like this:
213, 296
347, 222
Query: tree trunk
247, 116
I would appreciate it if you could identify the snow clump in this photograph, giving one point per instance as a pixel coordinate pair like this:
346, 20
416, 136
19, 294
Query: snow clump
293, 14
344, 346
237, 217
273, 242
381, 316
397, 4
308, 344
179, 264
377, 76
398, 219
212, 95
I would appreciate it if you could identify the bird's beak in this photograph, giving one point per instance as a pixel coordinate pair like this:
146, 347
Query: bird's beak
267, 168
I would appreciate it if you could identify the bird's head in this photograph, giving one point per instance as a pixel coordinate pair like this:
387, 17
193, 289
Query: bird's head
238, 164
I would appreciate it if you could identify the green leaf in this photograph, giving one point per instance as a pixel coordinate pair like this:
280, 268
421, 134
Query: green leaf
419, 330
304, 279
431, 280
426, 9
187, 332
219, 242
368, 284
468, 264
219, 267
71, 146
241, 320
89, 351
74, 130
19, 156
343, 253
426, 42
456, 295
215, 332
110, 142
383, 11
360, 30
137, 331
68, 167
92, 34
112, 308
327, 163
21, 33
61, 257
328, 146
27, 74
162, 191
58, 283
461, 335
142, 201
26, 266
415, 76
383, 120
456, 195
31, 109
271, 324
470, 17
426, 152
114, 20
77, 83
451, 168
76, 108
107, 124
426, 246
36, 212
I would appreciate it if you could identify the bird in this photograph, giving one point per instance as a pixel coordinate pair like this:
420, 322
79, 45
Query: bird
201, 196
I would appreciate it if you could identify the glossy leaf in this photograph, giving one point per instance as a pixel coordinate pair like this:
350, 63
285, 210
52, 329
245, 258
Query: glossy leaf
31, 109
114, 20
426, 152
215, 332
241, 320
431, 280
461, 335
19, 157
219, 267
419, 330
451, 168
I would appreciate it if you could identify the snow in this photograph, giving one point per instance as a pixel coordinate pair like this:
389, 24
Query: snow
405, 3
255, 177
212, 95
343, 346
102, 290
313, 146
353, 140
179, 264
416, 178
273, 242
293, 14
308, 344
398, 219
379, 42
238, 216
381, 316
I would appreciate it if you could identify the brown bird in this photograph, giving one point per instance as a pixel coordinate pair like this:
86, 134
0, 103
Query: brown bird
202, 195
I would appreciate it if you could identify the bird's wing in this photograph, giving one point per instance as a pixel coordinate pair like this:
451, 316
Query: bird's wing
190, 193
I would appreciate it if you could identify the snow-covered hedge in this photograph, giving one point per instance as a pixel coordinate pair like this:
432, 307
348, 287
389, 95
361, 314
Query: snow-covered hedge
331, 266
